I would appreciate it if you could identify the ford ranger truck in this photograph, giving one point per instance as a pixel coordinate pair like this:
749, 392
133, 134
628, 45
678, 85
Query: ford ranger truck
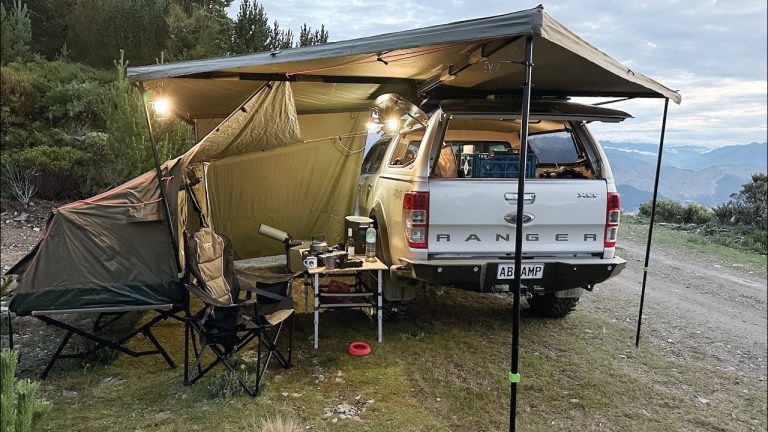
443, 197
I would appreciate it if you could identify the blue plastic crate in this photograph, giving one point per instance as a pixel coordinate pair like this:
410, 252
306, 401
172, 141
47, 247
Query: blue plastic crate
501, 166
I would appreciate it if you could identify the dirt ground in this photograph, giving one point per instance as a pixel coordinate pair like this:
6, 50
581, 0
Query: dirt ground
20, 230
698, 308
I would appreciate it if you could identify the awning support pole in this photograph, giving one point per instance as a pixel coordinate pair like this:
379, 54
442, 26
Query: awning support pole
650, 224
159, 175
514, 374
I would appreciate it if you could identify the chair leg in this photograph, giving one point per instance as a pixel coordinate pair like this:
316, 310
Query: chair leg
186, 353
259, 372
224, 360
290, 341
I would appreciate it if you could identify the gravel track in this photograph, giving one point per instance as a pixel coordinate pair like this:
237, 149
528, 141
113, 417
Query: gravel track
697, 308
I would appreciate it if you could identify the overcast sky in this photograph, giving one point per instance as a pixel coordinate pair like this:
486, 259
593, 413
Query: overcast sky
713, 52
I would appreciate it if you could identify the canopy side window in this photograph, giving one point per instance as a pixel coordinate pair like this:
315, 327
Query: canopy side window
406, 150
374, 158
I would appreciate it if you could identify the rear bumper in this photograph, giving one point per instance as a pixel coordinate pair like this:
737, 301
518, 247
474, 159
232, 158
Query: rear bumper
480, 274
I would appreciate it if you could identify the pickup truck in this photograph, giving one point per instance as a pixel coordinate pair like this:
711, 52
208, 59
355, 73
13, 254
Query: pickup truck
443, 194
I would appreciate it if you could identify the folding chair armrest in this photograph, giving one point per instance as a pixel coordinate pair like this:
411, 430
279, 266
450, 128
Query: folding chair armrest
204, 296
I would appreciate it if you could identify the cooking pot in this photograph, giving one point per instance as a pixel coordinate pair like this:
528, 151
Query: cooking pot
318, 245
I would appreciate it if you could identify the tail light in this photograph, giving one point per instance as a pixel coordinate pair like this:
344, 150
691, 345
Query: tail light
612, 219
416, 218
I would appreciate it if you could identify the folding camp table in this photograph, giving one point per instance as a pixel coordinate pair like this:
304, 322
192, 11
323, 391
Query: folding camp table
163, 312
374, 298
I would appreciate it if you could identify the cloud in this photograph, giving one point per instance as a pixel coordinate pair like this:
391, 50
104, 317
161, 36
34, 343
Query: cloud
713, 52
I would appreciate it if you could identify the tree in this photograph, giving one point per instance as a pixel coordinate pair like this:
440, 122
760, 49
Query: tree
748, 206
251, 29
98, 29
196, 34
309, 37
279, 38
15, 33
49, 25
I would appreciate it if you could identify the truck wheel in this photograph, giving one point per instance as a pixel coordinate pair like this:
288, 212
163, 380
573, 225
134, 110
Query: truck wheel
549, 306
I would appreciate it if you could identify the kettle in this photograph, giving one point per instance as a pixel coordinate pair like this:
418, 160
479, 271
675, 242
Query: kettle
318, 245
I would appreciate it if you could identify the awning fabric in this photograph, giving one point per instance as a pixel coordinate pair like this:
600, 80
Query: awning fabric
405, 60
280, 140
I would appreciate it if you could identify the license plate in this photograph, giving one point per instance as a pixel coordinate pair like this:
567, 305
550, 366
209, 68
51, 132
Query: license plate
529, 271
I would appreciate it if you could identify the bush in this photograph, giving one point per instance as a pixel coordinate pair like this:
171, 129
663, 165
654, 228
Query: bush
21, 410
80, 129
748, 206
675, 212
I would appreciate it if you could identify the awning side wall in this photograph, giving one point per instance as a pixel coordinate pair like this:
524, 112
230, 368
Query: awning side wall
304, 189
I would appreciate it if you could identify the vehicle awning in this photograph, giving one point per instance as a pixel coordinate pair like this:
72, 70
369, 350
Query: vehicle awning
472, 58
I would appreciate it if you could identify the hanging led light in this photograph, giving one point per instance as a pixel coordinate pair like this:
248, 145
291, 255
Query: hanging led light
393, 125
162, 108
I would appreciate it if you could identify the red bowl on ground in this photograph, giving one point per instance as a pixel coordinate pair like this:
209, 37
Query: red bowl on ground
359, 349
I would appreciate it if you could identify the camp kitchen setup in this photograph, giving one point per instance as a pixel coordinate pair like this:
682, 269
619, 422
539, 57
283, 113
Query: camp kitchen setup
319, 260
279, 141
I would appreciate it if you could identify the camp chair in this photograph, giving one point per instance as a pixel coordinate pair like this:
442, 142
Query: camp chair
227, 322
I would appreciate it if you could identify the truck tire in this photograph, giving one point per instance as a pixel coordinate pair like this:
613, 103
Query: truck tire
549, 306
395, 292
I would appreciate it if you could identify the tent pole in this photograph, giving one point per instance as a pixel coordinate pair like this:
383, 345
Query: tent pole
514, 375
650, 224
159, 175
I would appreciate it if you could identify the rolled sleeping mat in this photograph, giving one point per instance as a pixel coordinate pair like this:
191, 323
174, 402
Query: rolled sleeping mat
274, 233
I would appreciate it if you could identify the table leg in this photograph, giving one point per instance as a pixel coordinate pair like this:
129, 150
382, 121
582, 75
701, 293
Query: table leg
317, 307
379, 295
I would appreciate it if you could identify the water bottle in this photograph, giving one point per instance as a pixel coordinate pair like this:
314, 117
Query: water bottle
370, 244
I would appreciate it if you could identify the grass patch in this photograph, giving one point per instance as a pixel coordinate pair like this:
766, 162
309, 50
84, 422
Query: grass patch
442, 368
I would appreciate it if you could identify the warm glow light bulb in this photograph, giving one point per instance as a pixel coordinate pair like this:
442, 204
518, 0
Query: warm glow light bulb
162, 107
392, 124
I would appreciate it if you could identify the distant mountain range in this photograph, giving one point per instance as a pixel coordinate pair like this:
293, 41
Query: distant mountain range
689, 173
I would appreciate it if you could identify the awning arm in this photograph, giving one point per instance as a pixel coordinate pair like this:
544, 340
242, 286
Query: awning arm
452, 70
650, 224
328, 79
612, 101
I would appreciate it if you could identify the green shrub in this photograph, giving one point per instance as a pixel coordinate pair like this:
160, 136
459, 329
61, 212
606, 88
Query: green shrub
60, 169
21, 410
675, 212
74, 105
80, 129
747, 207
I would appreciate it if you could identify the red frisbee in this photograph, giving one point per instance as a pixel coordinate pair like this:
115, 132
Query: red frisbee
359, 349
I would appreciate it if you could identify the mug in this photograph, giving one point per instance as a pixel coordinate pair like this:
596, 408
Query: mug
310, 262
330, 261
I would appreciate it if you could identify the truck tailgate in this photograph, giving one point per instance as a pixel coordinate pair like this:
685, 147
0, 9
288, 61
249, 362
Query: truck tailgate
470, 217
